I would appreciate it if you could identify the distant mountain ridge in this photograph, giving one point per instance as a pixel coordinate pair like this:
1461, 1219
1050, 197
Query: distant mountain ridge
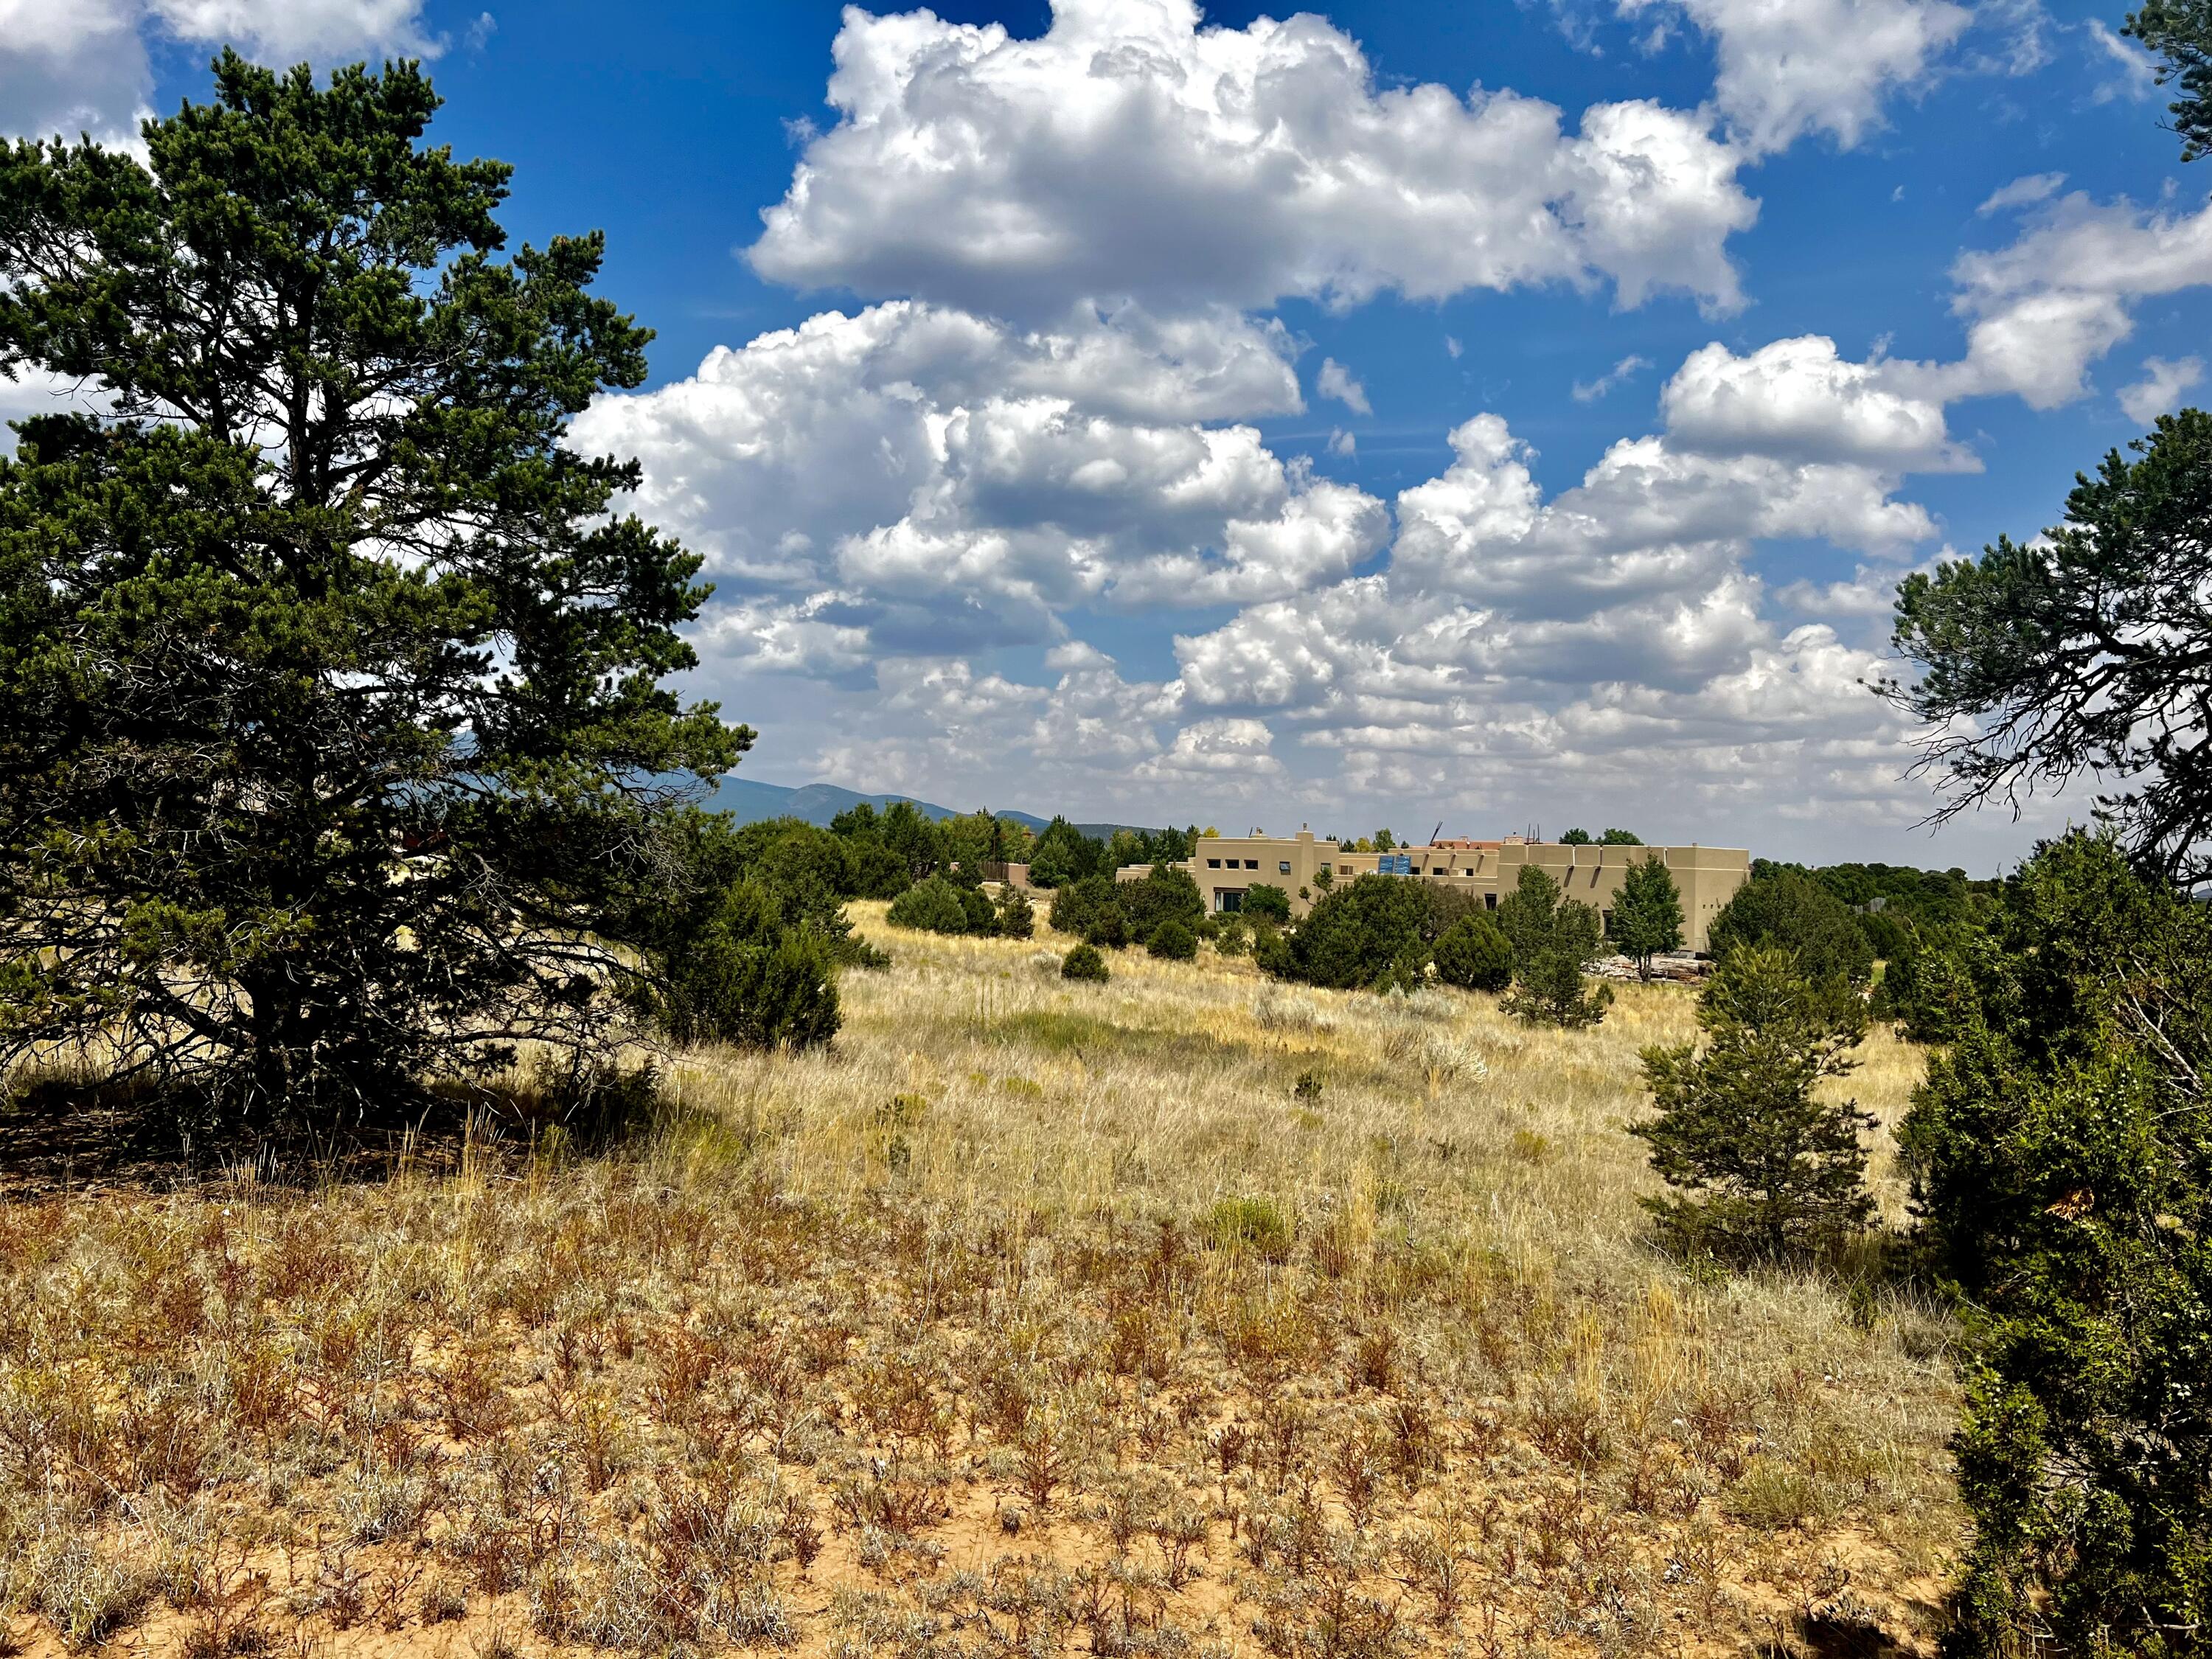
748, 800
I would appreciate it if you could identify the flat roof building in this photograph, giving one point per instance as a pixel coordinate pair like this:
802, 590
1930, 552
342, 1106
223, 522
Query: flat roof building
1227, 867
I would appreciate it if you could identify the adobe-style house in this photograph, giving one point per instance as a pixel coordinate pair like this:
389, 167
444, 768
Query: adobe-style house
1226, 868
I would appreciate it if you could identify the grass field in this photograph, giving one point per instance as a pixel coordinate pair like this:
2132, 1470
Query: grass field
1184, 1315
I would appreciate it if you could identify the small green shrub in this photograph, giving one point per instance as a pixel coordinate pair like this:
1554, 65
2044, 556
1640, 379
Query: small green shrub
1266, 899
1366, 936
1773, 1497
1017, 915
1254, 1224
747, 978
982, 914
1551, 992
1084, 963
1791, 912
1474, 955
1173, 942
934, 906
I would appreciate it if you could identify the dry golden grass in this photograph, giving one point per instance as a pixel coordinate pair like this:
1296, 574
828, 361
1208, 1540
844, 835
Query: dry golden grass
1033, 1318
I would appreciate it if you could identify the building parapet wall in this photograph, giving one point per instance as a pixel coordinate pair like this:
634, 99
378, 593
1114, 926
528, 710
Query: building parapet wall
1227, 867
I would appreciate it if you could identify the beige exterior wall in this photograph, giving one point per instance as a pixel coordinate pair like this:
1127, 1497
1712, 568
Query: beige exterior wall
1708, 876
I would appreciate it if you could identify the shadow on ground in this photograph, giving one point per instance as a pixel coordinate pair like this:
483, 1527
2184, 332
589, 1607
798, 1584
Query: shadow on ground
59, 1136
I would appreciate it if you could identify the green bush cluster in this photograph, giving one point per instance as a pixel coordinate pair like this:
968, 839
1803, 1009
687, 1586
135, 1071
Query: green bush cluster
1355, 935
1788, 909
1111, 914
943, 904
746, 936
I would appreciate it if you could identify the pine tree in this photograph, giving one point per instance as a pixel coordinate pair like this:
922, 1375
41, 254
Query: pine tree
337, 744
1553, 939
1647, 913
1017, 915
1768, 1170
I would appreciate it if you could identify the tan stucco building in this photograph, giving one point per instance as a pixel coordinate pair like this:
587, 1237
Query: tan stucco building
1226, 867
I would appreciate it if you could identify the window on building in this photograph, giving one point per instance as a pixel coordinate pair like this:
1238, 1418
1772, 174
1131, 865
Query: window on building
1283, 865
1490, 901
1213, 864
1325, 870
1251, 864
1229, 899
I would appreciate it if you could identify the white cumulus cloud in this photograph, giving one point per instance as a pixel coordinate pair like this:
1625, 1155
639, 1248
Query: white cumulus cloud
1804, 66
1130, 152
2166, 381
932, 478
1215, 750
1798, 399
2045, 307
72, 67
288, 30
1337, 381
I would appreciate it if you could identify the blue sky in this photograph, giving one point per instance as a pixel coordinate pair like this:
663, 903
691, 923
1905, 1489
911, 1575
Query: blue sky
1080, 433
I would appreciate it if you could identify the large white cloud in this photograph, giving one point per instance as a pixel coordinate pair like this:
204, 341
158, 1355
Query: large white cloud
1786, 67
1797, 400
924, 474
1128, 152
2046, 307
1654, 515
1578, 642
81, 66
1214, 752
